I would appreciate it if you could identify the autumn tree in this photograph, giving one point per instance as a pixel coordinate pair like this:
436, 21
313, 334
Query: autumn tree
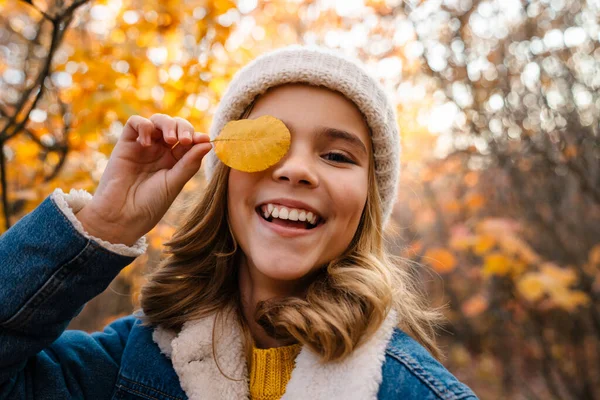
515, 202
73, 72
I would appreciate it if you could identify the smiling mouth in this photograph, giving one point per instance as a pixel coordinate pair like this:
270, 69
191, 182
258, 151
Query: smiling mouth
303, 225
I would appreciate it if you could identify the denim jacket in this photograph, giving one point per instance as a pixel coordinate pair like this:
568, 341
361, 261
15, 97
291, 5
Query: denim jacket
50, 267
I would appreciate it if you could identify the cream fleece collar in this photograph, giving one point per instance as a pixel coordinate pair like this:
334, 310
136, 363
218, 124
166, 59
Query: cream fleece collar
191, 353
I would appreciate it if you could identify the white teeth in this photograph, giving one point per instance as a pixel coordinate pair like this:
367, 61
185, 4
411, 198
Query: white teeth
270, 210
283, 213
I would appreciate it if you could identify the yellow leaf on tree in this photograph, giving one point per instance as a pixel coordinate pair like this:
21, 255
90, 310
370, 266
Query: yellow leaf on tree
531, 286
442, 260
461, 243
568, 299
496, 264
594, 256
518, 267
26, 152
252, 145
575, 299
483, 244
562, 276
512, 244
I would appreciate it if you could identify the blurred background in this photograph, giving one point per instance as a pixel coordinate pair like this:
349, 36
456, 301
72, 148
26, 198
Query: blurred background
499, 207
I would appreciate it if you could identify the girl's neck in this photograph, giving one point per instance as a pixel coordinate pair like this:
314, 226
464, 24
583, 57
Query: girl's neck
254, 288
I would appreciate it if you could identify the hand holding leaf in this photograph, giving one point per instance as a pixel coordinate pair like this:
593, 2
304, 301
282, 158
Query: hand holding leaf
154, 159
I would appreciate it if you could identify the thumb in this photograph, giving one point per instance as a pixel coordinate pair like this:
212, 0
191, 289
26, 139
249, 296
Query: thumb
186, 167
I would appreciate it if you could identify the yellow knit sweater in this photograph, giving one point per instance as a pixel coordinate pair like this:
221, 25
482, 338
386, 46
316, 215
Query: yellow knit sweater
270, 371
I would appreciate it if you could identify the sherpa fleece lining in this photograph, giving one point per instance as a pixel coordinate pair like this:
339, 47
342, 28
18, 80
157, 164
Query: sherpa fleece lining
357, 377
71, 203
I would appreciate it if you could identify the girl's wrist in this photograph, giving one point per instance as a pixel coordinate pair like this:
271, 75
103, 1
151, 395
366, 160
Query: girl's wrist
98, 228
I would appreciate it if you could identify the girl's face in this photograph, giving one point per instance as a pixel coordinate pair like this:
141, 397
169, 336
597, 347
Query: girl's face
324, 175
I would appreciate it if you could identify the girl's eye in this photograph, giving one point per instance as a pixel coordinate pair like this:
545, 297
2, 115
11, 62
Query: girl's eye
338, 157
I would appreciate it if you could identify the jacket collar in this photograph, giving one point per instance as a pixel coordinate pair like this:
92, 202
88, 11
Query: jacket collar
191, 353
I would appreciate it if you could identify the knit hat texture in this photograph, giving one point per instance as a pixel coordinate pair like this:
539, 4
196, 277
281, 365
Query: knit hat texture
322, 67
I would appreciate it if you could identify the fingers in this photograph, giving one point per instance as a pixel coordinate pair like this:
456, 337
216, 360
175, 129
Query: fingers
173, 129
141, 130
167, 128
201, 138
187, 167
161, 127
179, 150
175, 133
185, 130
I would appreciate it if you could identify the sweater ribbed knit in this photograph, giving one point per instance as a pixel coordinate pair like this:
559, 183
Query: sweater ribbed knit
270, 371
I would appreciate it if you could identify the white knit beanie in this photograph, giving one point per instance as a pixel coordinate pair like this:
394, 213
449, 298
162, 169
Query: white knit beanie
323, 67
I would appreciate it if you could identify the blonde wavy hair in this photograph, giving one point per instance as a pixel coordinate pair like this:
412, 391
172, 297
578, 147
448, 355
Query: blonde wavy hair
344, 303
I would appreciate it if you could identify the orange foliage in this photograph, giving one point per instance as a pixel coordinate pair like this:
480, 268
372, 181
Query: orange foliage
442, 260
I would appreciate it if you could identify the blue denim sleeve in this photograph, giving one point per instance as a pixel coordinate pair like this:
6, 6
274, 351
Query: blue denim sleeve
411, 372
49, 270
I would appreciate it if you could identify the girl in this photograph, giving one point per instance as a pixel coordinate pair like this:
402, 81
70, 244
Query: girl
276, 286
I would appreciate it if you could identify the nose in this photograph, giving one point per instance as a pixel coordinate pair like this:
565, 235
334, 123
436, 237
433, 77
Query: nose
296, 168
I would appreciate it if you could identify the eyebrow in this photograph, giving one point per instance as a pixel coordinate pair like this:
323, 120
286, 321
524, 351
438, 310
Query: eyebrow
333, 133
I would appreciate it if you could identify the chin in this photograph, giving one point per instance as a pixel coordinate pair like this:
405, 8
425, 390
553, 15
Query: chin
284, 268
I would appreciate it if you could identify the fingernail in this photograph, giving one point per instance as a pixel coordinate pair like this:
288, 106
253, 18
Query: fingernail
172, 133
196, 136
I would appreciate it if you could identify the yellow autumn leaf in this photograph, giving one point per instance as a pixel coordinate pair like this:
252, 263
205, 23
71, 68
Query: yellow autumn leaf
512, 244
252, 145
440, 259
496, 264
518, 267
575, 299
531, 286
594, 256
26, 152
461, 243
483, 243
568, 299
562, 276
